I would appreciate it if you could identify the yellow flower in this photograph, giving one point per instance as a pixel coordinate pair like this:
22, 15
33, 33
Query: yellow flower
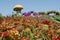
27, 30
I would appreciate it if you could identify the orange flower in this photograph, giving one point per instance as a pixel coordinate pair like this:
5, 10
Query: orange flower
25, 38
36, 33
51, 31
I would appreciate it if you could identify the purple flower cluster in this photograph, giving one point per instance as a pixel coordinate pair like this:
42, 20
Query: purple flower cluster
29, 13
36, 14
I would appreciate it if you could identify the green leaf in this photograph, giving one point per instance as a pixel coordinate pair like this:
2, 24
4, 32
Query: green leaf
58, 18
3, 38
51, 18
7, 38
31, 36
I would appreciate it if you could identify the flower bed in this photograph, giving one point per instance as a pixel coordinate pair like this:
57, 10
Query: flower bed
29, 28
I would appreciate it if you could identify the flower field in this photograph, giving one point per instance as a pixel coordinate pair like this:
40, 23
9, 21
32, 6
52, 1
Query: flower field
30, 28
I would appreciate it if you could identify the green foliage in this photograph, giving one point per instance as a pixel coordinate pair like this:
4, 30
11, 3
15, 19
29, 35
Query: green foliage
58, 18
7, 38
1, 15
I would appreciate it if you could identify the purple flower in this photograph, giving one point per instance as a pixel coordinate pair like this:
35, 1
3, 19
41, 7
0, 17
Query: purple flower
36, 14
27, 14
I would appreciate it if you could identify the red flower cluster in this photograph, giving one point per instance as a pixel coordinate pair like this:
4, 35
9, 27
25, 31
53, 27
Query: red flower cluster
46, 22
56, 38
14, 27
4, 34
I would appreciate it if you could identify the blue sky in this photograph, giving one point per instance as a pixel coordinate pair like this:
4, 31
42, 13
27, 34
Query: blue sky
6, 6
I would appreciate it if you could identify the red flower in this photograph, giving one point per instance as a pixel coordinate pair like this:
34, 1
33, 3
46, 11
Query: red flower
46, 22
5, 34
0, 34
56, 38
27, 38
14, 27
